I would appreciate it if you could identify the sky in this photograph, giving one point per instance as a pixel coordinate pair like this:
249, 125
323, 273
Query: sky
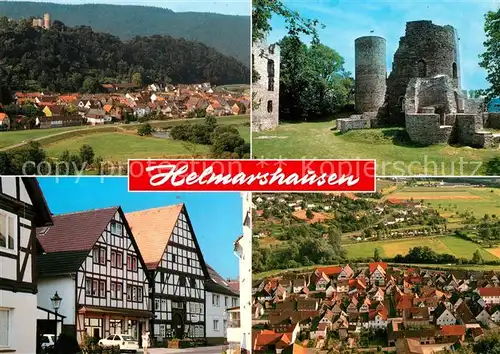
216, 217
227, 7
345, 20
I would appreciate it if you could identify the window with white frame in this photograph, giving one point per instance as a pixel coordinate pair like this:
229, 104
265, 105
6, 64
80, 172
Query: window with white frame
4, 328
116, 228
7, 231
216, 325
215, 300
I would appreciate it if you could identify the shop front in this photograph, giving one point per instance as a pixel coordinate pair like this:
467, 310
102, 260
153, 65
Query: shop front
100, 322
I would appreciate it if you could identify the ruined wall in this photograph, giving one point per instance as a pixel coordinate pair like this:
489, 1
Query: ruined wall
437, 92
427, 50
370, 73
266, 61
424, 129
466, 127
353, 123
491, 120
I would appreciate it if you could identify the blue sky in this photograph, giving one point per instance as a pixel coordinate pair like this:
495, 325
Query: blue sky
216, 217
228, 7
345, 20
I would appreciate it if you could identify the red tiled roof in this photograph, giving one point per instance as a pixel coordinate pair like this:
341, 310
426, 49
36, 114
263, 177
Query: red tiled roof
76, 231
453, 330
145, 224
330, 270
374, 266
489, 291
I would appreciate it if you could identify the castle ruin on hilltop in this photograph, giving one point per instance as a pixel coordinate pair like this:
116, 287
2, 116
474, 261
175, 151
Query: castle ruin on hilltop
42, 22
423, 91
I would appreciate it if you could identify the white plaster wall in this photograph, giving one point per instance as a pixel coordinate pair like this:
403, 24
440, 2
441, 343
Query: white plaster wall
215, 313
22, 318
65, 287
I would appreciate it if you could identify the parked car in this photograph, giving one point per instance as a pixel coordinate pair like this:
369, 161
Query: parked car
126, 342
48, 341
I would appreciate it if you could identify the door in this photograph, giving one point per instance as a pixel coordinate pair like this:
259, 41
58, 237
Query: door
178, 326
139, 335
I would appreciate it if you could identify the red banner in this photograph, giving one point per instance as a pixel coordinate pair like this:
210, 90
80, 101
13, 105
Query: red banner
252, 175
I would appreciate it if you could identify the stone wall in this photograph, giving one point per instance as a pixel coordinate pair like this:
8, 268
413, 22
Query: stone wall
423, 128
353, 123
466, 127
370, 73
437, 92
491, 120
265, 114
426, 50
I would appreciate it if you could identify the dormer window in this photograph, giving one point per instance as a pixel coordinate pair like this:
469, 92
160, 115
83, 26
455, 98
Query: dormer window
116, 228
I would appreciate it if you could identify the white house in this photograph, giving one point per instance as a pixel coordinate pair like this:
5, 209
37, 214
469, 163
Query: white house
442, 316
491, 296
219, 299
100, 275
22, 209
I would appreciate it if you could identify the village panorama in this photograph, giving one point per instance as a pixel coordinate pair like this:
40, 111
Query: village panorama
95, 101
412, 268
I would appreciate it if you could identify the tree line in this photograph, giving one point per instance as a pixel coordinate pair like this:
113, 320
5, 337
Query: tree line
77, 59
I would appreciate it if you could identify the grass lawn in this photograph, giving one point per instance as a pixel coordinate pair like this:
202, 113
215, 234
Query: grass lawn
122, 146
444, 244
15, 137
319, 140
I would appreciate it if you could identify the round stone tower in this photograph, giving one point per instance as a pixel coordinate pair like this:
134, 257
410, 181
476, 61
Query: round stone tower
427, 50
371, 73
46, 21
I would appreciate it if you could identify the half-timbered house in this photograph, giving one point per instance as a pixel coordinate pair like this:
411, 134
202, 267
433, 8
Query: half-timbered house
92, 260
22, 209
171, 252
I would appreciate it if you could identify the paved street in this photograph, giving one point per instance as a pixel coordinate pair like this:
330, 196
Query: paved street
200, 350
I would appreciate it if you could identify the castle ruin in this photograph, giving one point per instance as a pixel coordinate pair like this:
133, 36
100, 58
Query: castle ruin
42, 22
266, 62
423, 91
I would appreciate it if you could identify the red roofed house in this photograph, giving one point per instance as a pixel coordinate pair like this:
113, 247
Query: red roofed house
92, 260
171, 252
452, 333
489, 295
4, 121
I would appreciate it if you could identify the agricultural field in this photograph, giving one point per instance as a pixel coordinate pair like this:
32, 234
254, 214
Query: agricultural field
394, 156
458, 247
449, 200
118, 142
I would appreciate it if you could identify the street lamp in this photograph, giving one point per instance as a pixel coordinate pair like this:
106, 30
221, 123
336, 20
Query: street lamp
56, 302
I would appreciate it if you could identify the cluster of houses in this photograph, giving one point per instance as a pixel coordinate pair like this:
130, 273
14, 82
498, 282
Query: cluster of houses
103, 272
414, 310
124, 101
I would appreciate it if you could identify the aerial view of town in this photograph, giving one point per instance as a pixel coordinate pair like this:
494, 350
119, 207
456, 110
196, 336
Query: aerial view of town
82, 94
402, 83
411, 268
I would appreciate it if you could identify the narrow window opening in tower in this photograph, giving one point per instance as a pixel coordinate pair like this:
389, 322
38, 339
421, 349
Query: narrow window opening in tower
455, 71
270, 75
422, 68
402, 104
269, 106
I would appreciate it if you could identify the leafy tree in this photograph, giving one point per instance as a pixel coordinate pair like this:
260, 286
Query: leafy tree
376, 255
145, 129
137, 79
226, 142
491, 57
91, 85
87, 154
309, 214
477, 258
493, 167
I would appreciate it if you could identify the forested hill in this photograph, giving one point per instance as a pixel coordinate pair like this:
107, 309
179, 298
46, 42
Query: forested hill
229, 35
79, 59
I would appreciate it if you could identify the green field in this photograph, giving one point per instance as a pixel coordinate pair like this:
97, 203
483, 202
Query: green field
449, 200
458, 247
118, 142
319, 140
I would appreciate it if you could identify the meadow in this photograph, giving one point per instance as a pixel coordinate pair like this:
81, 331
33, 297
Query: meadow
394, 156
118, 142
